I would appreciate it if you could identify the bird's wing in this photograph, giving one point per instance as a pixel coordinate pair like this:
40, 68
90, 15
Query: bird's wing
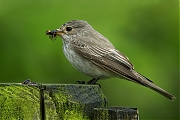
117, 63
110, 59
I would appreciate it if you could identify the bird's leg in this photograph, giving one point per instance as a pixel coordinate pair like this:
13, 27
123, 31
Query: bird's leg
91, 82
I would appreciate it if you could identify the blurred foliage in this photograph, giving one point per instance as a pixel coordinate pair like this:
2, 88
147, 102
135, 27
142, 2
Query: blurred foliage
144, 30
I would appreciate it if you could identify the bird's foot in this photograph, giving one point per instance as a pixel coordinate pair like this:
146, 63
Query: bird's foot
91, 82
28, 82
81, 82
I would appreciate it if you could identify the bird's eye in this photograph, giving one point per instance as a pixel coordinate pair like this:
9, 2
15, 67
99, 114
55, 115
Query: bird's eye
68, 28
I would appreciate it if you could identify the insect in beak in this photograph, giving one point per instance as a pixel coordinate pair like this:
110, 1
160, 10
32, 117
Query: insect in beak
52, 34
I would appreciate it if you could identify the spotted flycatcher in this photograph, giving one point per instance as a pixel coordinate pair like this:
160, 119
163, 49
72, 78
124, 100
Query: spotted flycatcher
94, 55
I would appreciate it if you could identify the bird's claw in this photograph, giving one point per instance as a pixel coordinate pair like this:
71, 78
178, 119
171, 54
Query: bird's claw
87, 83
28, 82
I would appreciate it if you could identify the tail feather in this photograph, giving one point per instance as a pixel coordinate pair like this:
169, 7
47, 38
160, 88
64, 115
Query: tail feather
148, 83
161, 91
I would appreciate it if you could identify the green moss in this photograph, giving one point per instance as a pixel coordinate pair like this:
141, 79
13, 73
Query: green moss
74, 115
59, 102
67, 107
101, 114
19, 102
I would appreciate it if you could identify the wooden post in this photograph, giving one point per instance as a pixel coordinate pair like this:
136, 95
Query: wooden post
57, 102
116, 113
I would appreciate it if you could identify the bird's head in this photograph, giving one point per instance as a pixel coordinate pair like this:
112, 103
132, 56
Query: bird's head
70, 29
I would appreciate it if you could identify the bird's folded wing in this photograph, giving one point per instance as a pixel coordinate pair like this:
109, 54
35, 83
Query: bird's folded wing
110, 59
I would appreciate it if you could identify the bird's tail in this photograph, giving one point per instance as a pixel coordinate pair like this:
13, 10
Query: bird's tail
148, 83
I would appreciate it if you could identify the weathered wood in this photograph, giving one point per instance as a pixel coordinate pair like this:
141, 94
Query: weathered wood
116, 113
72, 101
56, 102
50, 102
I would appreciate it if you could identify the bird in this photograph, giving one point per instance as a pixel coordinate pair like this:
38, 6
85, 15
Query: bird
94, 55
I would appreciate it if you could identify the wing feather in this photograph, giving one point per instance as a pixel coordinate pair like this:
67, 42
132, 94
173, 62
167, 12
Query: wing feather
109, 59
117, 63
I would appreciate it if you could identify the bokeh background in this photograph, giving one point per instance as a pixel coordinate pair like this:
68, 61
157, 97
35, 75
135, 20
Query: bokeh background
144, 30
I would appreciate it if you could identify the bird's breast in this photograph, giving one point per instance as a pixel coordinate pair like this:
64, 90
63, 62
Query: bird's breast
82, 64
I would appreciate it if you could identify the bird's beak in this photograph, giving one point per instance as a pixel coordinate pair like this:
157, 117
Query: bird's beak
59, 31
53, 33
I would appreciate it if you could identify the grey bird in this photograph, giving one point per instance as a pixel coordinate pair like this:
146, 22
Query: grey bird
94, 55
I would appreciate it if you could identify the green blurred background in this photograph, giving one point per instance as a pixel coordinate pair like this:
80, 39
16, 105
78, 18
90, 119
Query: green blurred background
144, 30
